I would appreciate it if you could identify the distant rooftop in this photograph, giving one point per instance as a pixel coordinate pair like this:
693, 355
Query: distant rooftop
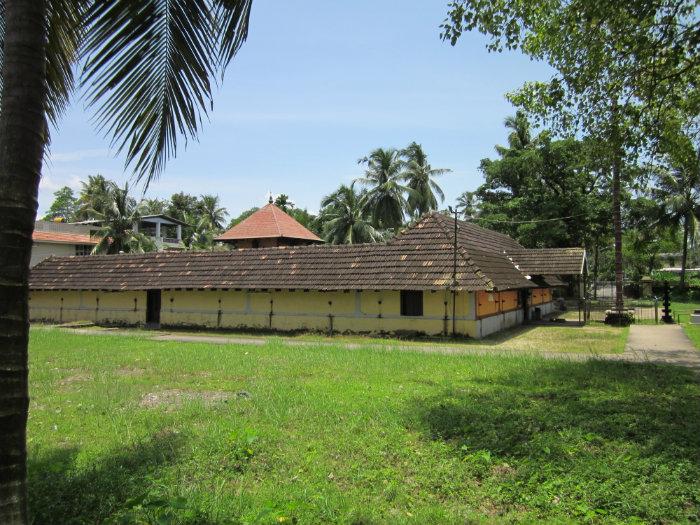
62, 237
61, 233
268, 222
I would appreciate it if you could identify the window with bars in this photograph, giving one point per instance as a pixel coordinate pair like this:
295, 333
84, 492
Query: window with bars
83, 249
411, 302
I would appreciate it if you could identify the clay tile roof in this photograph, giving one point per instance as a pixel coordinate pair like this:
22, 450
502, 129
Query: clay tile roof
420, 258
269, 221
62, 237
549, 261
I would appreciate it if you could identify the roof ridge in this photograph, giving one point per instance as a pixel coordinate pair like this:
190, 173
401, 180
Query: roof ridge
274, 216
441, 220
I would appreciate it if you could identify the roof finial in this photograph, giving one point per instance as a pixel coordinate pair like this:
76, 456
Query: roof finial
270, 197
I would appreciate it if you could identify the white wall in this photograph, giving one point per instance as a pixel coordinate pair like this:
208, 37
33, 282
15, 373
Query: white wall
496, 323
43, 250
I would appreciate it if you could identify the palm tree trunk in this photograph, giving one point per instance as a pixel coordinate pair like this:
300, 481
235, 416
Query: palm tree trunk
22, 140
684, 259
596, 253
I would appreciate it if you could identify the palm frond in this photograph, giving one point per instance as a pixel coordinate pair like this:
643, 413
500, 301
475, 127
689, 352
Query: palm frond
148, 65
232, 18
65, 34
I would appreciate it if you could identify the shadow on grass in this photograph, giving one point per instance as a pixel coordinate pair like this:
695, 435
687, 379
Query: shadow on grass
118, 486
582, 440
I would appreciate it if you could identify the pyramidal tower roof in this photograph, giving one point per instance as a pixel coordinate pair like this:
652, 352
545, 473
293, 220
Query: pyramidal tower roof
269, 222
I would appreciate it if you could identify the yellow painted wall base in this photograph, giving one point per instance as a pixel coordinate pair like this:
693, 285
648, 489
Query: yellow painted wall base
283, 310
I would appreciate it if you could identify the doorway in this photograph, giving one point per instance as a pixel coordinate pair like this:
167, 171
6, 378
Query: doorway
153, 308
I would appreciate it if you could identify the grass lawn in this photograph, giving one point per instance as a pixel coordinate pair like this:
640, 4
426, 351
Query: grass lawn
594, 338
131, 430
693, 333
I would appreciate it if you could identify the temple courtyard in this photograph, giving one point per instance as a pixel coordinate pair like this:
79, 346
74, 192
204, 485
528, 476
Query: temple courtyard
194, 427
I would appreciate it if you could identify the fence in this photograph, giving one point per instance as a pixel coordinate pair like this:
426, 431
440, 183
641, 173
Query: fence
600, 299
645, 312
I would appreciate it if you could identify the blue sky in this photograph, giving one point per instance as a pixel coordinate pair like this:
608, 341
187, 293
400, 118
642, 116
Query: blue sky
318, 85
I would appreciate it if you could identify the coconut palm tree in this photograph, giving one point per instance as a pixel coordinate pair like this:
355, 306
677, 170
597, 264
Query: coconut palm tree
466, 205
520, 136
199, 235
117, 220
384, 202
94, 196
343, 220
147, 68
283, 203
154, 206
214, 214
419, 177
678, 191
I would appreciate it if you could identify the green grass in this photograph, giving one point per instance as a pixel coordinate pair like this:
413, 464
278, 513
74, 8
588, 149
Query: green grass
693, 333
594, 338
322, 434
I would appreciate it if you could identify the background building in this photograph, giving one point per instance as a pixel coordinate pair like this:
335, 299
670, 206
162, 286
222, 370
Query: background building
267, 227
60, 239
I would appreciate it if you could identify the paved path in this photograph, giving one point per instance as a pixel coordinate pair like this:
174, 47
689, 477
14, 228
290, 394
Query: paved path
662, 344
665, 344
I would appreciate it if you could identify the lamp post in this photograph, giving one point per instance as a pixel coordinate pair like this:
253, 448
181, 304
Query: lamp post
454, 275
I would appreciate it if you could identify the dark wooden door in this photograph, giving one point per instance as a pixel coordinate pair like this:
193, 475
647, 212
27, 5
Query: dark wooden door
153, 307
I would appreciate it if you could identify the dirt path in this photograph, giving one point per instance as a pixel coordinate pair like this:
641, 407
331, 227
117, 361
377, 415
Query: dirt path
663, 344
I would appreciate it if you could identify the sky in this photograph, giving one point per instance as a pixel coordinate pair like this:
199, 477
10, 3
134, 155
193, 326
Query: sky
318, 85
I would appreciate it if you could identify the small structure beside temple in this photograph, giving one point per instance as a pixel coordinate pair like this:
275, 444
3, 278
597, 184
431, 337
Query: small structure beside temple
268, 227
165, 231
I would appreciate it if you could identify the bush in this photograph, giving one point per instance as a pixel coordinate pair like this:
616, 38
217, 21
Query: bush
619, 318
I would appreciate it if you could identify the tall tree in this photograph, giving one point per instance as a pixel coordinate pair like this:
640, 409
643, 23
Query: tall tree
64, 206
618, 66
419, 177
147, 68
467, 205
343, 219
213, 212
117, 220
520, 136
22, 139
154, 206
94, 196
182, 204
199, 235
678, 191
384, 202
283, 202
547, 193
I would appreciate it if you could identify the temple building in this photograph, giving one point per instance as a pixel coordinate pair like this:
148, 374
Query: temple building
436, 277
266, 228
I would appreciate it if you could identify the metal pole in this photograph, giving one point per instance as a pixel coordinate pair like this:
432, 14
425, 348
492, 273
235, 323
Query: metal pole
454, 276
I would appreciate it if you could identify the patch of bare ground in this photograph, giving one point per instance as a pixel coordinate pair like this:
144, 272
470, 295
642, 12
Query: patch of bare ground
129, 371
504, 470
173, 398
76, 376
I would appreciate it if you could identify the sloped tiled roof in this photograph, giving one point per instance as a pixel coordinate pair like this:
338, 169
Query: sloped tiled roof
481, 248
319, 267
62, 237
267, 222
549, 261
420, 258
